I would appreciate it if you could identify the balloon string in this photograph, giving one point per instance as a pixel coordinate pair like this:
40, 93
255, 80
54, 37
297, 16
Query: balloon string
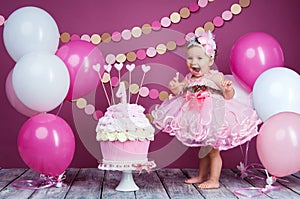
244, 167
261, 190
41, 183
59, 109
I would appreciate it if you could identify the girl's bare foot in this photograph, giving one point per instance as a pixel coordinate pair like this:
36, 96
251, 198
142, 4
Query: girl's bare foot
209, 184
196, 179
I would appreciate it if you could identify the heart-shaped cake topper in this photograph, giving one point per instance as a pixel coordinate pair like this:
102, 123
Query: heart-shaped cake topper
118, 66
130, 67
96, 67
107, 67
105, 78
145, 68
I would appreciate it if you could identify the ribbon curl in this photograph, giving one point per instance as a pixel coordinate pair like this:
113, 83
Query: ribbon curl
41, 183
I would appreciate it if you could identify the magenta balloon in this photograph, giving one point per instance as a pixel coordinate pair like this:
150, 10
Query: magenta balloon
81, 58
46, 144
278, 144
253, 54
14, 100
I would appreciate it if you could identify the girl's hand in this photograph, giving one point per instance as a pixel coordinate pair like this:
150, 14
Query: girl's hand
227, 88
174, 82
175, 86
227, 85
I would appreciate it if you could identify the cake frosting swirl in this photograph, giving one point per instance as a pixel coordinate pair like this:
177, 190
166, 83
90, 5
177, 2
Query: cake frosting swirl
122, 122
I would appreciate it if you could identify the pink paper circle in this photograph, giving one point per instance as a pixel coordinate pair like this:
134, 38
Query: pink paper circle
89, 109
141, 54
156, 25
218, 21
180, 41
202, 3
126, 34
97, 114
75, 37
227, 15
86, 37
110, 58
151, 52
144, 91
189, 36
2, 20
116, 36
165, 22
153, 93
114, 81
194, 7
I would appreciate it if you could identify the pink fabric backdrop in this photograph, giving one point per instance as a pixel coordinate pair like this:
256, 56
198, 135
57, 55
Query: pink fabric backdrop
279, 18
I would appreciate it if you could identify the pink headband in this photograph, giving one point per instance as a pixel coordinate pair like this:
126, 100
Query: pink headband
205, 40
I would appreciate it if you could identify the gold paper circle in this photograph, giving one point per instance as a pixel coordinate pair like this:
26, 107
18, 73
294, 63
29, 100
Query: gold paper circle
65, 37
121, 58
163, 95
235, 9
199, 30
184, 13
244, 3
105, 78
146, 29
175, 17
134, 88
161, 49
96, 39
171, 45
209, 26
136, 32
105, 37
126, 84
131, 56
150, 118
81, 103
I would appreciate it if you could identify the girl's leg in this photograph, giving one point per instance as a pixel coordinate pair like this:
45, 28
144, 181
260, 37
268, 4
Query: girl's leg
215, 171
203, 172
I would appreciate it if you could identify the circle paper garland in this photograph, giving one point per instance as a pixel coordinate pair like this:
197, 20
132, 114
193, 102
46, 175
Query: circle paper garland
136, 32
150, 52
161, 49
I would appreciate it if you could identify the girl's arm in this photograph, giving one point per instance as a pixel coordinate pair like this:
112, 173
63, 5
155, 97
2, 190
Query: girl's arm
224, 84
175, 86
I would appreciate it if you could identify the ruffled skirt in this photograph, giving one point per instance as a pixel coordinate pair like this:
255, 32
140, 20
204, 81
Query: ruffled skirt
207, 121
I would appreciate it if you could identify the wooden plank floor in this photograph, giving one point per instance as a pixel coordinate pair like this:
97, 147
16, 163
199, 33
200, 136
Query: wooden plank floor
160, 184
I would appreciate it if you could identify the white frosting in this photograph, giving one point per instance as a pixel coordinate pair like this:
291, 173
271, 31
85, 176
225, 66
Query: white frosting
124, 122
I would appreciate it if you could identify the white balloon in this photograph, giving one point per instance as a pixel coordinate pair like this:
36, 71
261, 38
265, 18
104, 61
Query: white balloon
276, 90
240, 94
41, 81
30, 29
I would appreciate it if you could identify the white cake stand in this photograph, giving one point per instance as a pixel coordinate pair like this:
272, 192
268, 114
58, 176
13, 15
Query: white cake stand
126, 167
127, 183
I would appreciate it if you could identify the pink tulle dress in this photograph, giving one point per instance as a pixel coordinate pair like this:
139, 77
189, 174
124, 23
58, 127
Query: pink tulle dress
201, 116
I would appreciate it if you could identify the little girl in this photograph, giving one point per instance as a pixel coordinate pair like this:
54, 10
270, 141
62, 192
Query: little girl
203, 112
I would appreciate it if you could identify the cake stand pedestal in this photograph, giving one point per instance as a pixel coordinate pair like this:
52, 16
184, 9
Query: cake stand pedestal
127, 183
126, 167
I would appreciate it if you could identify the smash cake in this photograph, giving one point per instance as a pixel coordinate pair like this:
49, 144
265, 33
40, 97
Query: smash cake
124, 134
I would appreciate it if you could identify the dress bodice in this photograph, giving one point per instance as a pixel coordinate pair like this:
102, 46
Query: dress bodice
203, 81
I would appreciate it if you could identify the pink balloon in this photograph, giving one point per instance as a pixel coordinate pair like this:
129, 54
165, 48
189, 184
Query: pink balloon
278, 144
82, 59
46, 144
253, 54
14, 100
